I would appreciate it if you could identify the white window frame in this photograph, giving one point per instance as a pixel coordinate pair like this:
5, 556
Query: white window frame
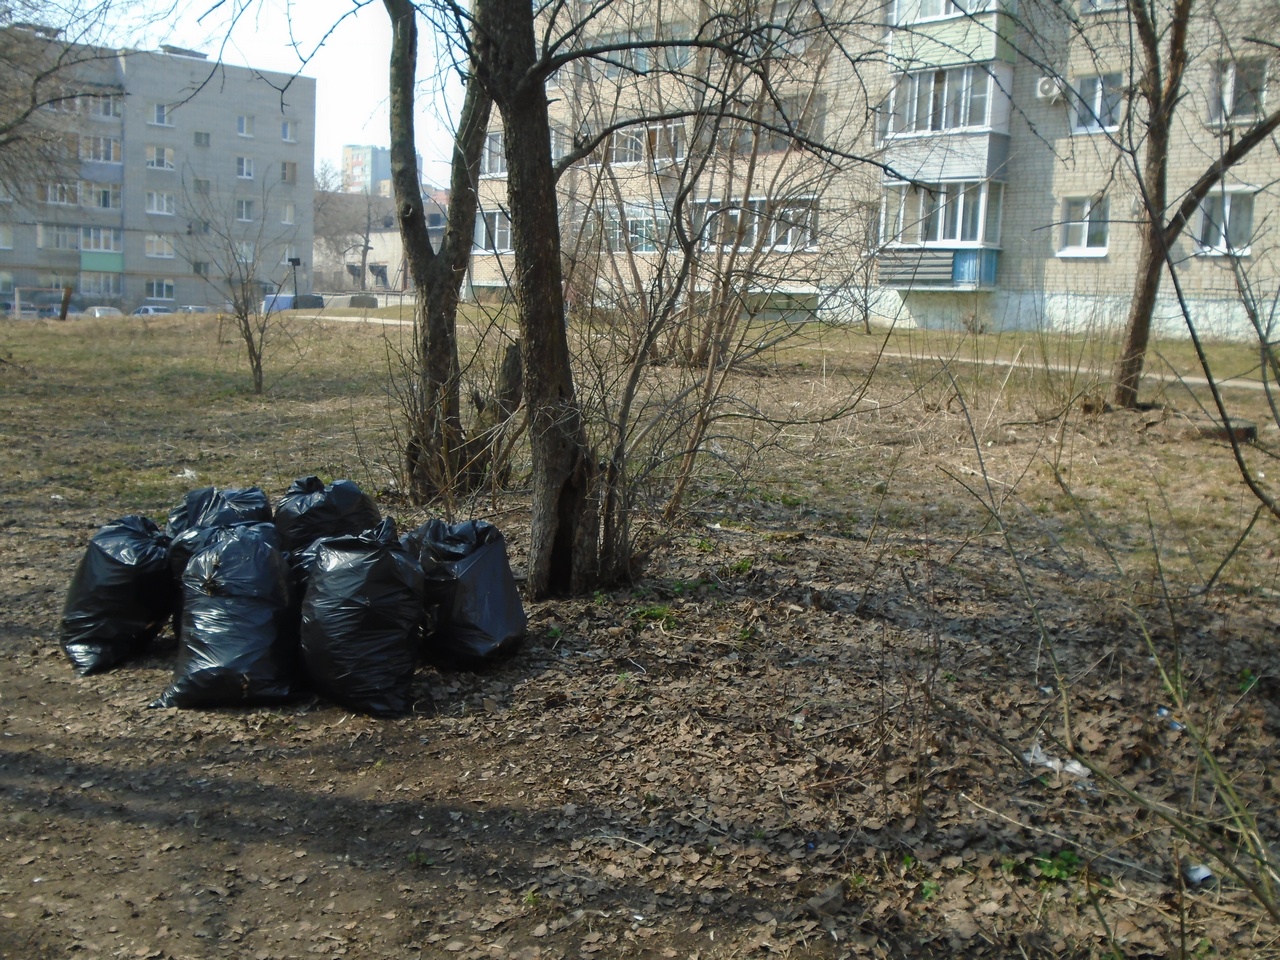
289, 214
940, 214
101, 239
92, 148
202, 138
244, 251
160, 203
160, 115
493, 157
6, 236
949, 95
288, 131
1223, 92
159, 246
245, 126
57, 236
945, 9
158, 288
95, 190
1089, 114
1227, 198
668, 142
159, 158
59, 193
1082, 220
493, 232
244, 168
627, 146
244, 211
112, 287
288, 171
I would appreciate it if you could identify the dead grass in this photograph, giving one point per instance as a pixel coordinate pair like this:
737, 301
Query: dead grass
826, 681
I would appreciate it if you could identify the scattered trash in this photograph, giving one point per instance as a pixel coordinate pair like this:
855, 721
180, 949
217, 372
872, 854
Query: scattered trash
361, 620
310, 509
120, 597
473, 604
1197, 874
1036, 757
238, 646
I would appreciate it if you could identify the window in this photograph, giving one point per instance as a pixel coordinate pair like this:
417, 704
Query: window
290, 253
6, 282
780, 124
159, 158
200, 268
939, 100
57, 236
202, 138
101, 149
161, 115
949, 214
244, 168
59, 194
493, 159
781, 225
674, 56
288, 172
667, 141
244, 126
102, 239
161, 203
615, 63
626, 146
159, 245
1096, 103
1226, 222
493, 232
244, 210
6, 236
160, 288
933, 9
103, 195
101, 106
101, 284
1236, 91
288, 214
1085, 225
202, 187
289, 131
1098, 6
244, 251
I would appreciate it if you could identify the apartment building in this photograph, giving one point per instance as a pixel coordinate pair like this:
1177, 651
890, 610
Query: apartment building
183, 182
366, 169
932, 162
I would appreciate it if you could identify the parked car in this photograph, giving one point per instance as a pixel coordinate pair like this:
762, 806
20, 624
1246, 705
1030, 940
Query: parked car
292, 301
102, 312
151, 310
194, 308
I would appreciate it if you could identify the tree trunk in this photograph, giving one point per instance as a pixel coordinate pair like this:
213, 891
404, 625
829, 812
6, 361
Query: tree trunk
565, 518
434, 450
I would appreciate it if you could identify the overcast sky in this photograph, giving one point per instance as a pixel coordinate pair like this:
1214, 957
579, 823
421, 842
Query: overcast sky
349, 65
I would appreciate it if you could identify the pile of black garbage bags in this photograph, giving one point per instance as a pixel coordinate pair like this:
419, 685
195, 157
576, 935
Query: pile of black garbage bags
318, 596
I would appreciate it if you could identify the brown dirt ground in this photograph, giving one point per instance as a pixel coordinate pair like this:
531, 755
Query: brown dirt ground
802, 733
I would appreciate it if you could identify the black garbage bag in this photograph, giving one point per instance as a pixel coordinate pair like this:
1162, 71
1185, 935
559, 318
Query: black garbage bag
211, 507
120, 597
310, 510
238, 647
477, 613
201, 510
361, 621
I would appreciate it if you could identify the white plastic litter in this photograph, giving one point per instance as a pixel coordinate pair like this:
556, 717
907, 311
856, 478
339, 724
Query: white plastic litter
1197, 873
1038, 758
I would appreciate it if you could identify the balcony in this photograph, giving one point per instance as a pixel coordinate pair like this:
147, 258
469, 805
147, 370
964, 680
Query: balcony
980, 155
955, 39
930, 268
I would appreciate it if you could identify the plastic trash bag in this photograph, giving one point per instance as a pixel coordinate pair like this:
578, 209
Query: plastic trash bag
310, 510
361, 621
211, 507
120, 597
238, 646
202, 510
477, 612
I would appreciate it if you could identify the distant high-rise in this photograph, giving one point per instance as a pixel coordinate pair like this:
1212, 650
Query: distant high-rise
364, 169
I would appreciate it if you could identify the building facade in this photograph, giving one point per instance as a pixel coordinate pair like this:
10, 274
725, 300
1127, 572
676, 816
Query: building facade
366, 169
929, 162
184, 182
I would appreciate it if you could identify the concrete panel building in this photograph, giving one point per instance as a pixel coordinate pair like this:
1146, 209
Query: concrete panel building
185, 182
929, 162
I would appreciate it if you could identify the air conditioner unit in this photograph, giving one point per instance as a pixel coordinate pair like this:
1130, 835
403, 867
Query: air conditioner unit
1050, 88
